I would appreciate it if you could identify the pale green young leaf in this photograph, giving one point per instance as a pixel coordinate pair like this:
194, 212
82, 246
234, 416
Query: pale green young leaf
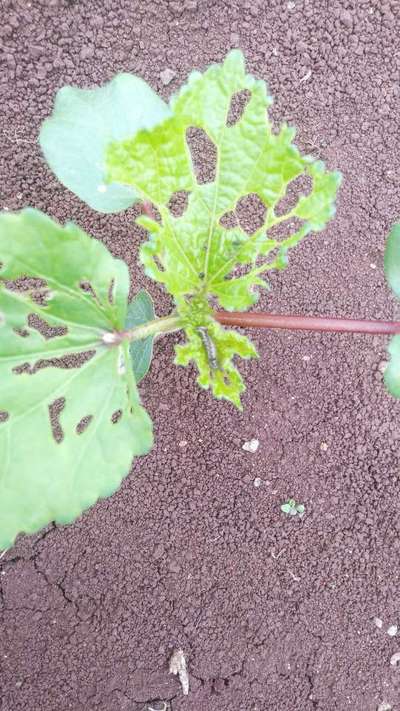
84, 121
194, 255
140, 311
224, 380
49, 474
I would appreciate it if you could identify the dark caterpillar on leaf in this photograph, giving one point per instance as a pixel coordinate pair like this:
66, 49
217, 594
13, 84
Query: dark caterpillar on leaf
209, 346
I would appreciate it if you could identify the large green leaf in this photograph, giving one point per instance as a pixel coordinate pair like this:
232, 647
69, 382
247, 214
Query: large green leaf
83, 122
53, 467
194, 255
140, 311
392, 271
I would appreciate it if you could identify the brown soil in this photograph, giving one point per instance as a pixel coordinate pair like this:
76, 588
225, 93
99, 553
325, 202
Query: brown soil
273, 613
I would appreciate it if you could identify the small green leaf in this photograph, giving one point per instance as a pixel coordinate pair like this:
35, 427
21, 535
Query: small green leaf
140, 311
60, 293
392, 259
194, 255
225, 380
83, 123
300, 508
287, 508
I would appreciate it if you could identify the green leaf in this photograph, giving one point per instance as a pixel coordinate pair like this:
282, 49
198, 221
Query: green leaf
392, 259
83, 122
194, 255
392, 272
140, 311
225, 380
287, 508
51, 469
392, 372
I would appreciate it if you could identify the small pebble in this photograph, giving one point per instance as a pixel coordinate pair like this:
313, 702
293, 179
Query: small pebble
251, 446
257, 482
378, 622
395, 659
324, 447
306, 76
183, 443
167, 75
384, 707
382, 365
347, 18
18, 684
291, 5
392, 630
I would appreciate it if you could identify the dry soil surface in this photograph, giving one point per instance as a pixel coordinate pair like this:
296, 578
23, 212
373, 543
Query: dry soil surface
272, 612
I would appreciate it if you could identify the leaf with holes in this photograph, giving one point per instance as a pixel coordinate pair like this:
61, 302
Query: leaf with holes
83, 122
392, 271
195, 255
70, 415
140, 311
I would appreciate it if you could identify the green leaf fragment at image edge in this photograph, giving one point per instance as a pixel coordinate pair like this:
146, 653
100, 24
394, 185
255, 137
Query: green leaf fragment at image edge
42, 480
193, 255
392, 272
392, 259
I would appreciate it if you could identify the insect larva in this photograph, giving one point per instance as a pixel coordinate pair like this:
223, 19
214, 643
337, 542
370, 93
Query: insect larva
209, 346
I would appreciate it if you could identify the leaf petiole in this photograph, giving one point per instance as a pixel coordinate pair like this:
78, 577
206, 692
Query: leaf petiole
166, 324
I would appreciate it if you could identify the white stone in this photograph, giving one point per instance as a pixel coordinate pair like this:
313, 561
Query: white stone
167, 75
251, 446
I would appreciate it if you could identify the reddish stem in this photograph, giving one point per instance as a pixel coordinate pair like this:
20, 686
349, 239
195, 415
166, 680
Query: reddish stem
305, 323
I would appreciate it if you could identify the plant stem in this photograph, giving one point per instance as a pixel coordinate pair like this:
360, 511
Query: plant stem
261, 319
167, 324
305, 323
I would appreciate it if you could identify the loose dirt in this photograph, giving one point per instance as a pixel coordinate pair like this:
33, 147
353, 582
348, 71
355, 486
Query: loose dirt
271, 612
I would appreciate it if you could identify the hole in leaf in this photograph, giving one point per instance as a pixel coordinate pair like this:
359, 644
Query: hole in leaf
229, 220
25, 283
111, 291
42, 296
3, 416
302, 185
86, 286
151, 211
239, 102
204, 155
285, 229
178, 203
68, 362
21, 332
251, 213
55, 410
44, 328
83, 424
116, 416
2, 319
